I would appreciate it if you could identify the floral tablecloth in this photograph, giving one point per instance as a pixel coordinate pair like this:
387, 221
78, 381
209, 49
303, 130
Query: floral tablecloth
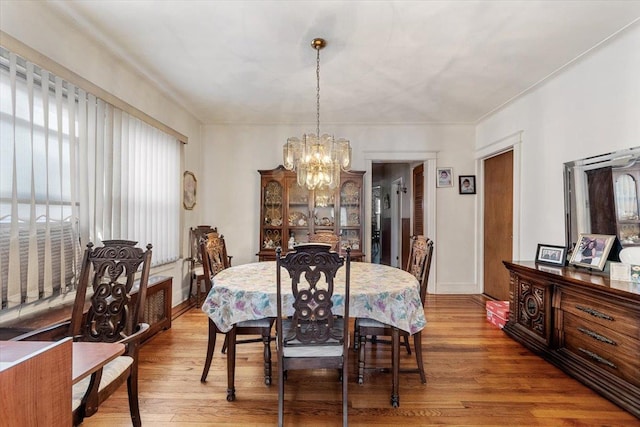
380, 292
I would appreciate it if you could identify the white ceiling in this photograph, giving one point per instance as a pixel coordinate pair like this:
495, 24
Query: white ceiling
250, 62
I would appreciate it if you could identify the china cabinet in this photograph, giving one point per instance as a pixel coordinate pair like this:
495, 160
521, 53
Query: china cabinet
289, 213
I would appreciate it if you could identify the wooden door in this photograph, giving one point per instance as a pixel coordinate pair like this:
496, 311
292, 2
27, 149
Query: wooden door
498, 224
418, 200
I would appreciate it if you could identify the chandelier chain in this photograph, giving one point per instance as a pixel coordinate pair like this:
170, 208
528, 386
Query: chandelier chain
318, 92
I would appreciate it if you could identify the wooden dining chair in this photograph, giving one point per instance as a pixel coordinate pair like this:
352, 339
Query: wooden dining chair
213, 252
419, 264
112, 317
196, 234
313, 337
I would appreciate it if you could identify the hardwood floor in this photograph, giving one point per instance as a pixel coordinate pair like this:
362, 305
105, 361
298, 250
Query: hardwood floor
476, 376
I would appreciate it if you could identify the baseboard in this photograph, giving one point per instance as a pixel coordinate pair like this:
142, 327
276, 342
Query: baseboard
181, 308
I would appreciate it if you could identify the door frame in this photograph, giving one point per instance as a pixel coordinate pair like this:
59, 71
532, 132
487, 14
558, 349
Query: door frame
429, 159
510, 142
396, 223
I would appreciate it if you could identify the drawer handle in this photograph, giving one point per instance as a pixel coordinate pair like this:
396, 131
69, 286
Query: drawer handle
598, 358
594, 313
597, 336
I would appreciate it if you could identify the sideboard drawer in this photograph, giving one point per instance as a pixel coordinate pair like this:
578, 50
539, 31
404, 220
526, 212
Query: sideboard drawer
601, 313
614, 352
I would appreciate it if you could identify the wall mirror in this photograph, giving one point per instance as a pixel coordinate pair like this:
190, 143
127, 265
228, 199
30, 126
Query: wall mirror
601, 196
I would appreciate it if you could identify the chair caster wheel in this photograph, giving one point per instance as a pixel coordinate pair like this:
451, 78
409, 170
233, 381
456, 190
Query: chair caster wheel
360, 380
267, 381
231, 395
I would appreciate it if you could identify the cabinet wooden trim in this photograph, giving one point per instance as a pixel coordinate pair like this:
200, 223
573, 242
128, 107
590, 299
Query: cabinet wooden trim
590, 327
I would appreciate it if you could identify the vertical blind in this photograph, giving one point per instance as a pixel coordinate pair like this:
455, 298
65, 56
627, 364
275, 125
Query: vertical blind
75, 169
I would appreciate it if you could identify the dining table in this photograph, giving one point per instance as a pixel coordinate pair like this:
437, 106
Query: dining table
380, 292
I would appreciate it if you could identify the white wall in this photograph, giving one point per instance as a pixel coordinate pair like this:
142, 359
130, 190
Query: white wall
234, 154
592, 107
38, 26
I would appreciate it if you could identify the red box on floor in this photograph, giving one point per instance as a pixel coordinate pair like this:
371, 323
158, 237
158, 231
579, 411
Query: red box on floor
498, 312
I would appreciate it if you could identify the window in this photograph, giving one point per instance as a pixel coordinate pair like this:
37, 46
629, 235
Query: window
75, 169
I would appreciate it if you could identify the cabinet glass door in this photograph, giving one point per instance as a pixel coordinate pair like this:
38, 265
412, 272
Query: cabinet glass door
350, 220
297, 213
273, 215
324, 210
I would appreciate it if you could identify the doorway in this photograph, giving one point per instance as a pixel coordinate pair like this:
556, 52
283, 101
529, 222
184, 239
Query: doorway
374, 160
391, 212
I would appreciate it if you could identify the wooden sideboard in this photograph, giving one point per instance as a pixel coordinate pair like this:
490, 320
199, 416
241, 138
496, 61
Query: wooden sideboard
581, 322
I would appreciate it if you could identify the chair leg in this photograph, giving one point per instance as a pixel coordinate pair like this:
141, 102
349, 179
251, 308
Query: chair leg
363, 341
266, 339
281, 377
231, 365
199, 285
406, 343
345, 400
211, 345
395, 367
193, 278
132, 388
225, 344
356, 336
417, 343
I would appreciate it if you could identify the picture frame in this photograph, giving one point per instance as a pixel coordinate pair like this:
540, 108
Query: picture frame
189, 187
467, 184
551, 254
592, 250
444, 177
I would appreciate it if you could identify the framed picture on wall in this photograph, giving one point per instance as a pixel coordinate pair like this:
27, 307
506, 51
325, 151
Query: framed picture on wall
592, 250
189, 185
549, 254
444, 177
467, 184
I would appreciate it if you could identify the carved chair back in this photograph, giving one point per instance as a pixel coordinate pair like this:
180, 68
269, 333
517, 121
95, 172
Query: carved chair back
419, 263
216, 249
196, 234
312, 269
110, 270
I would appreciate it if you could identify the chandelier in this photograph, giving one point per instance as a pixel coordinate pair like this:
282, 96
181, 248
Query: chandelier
317, 159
